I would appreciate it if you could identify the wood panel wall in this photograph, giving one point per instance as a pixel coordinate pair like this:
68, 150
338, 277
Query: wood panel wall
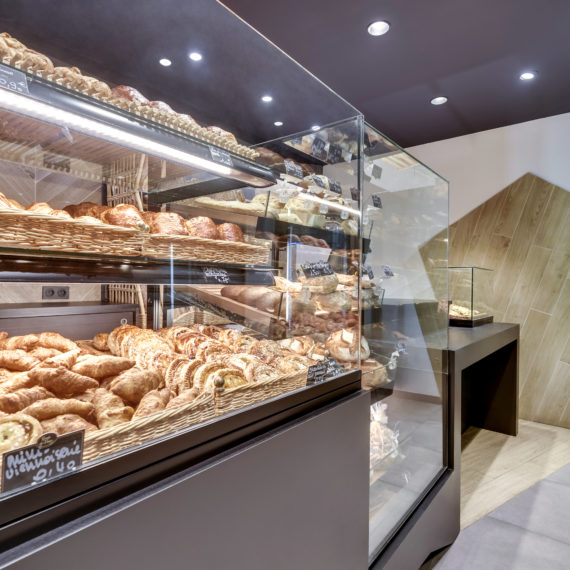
523, 234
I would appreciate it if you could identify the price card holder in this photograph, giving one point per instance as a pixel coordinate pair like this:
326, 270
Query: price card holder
367, 270
316, 269
376, 201
52, 456
325, 369
215, 275
13, 80
387, 271
376, 172
221, 156
293, 169
318, 147
334, 154
401, 347
355, 194
318, 181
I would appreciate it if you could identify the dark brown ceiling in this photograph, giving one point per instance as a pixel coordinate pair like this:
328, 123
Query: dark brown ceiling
471, 51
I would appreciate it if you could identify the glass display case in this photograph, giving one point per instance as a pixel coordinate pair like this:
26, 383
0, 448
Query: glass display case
470, 294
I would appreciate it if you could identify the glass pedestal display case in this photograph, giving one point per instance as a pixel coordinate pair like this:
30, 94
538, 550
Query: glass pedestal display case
470, 293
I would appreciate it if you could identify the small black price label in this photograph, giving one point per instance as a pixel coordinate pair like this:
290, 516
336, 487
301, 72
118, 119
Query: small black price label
317, 269
293, 169
387, 271
215, 275
334, 154
221, 156
318, 180
13, 80
325, 369
318, 146
50, 457
355, 194
376, 201
335, 187
376, 171
367, 270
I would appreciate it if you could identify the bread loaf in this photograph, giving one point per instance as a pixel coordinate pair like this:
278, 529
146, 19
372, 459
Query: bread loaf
168, 223
203, 227
230, 232
126, 216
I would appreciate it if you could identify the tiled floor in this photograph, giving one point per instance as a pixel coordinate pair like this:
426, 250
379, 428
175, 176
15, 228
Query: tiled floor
515, 501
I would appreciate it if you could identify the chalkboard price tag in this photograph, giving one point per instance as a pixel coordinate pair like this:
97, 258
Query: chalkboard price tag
293, 169
13, 80
318, 181
355, 194
367, 270
387, 271
316, 269
334, 154
376, 201
401, 347
335, 187
215, 275
318, 146
50, 457
221, 156
327, 368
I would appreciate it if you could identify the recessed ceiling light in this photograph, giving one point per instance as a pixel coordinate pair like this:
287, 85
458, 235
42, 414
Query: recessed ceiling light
315, 127
527, 75
267, 98
378, 28
438, 100
165, 61
278, 123
195, 56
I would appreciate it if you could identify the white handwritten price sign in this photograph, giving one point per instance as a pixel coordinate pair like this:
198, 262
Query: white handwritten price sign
215, 275
13, 79
52, 456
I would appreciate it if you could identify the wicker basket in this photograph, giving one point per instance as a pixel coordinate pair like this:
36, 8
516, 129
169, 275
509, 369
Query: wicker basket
30, 230
135, 432
249, 394
254, 251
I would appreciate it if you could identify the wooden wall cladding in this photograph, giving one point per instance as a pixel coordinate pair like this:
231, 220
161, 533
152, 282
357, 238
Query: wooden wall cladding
523, 233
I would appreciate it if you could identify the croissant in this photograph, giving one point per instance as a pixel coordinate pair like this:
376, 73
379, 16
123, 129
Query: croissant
42, 353
51, 407
152, 402
100, 367
16, 401
17, 360
110, 410
55, 340
67, 423
62, 381
66, 360
185, 397
126, 216
133, 384
15, 382
26, 342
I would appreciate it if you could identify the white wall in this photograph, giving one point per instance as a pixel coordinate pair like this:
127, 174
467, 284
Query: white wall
480, 165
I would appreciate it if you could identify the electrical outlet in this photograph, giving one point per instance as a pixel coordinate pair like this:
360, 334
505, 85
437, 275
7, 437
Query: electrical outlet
55, 293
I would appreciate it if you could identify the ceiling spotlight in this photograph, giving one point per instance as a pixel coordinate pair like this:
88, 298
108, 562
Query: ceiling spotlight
315, 127
527, 75
165, 62
278, 123
378, 28
195, 56
438, 100
267, 98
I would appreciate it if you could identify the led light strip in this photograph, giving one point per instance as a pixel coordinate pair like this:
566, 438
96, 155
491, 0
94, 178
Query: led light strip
34, 109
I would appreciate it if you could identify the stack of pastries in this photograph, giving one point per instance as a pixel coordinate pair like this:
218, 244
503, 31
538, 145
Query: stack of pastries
15, 53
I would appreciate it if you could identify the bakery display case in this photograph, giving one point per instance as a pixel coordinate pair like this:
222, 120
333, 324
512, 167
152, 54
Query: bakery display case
470, 293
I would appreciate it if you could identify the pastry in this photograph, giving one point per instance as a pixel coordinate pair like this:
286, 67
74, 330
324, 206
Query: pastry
322, 284
55, 340
17, 401
65, 360
130, 94
206, 374
134, 383
202, 227
230, 232
344, 346
301, 345
39, 208
126, 216
268, 157
152, 402
260, 372
100, 341
374, 374
293, 363
17, 360
67, 423
77, 210
168, 223
221, 133
60, 214
211, 349
110, 410
15, 381
18, 430
337, 301
266, 350
26, 342
185, 397
100, 367
62, 382
51, 407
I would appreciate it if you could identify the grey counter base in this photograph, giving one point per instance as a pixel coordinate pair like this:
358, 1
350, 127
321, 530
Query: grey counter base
296, 497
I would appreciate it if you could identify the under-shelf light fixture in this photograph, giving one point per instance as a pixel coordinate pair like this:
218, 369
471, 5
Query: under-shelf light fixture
41, 111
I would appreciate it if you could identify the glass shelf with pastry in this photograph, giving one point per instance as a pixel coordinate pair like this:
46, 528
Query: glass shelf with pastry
407, 206
470, 290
